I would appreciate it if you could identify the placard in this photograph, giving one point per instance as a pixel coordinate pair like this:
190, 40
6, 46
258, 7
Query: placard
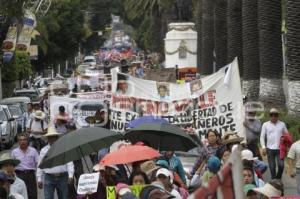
88, 183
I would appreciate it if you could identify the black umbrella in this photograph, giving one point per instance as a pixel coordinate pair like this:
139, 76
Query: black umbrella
162, 136
78, 144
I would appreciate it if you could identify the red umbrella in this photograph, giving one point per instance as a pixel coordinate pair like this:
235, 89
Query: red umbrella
129, 154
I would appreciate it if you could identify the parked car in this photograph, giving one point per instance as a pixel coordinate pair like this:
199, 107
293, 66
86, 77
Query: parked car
17, 113
23, 101
8, 127
32, 93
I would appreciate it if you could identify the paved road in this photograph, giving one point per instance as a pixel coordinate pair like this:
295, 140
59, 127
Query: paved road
289, 183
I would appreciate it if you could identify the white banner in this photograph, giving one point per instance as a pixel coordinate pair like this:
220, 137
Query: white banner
79, 110
88, 183
211, 103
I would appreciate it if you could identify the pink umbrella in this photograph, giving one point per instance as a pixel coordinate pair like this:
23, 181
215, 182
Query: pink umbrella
129, 154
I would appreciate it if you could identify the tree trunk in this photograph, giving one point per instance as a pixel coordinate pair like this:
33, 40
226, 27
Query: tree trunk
234, 32
207, 48
250, 50
198, 20
220, 34
293, 53
270, 49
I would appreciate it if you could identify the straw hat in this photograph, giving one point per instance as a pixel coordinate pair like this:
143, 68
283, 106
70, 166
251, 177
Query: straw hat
149, 166
39, 115
231, 137
52, 132
268, 190
6, 158
274, 110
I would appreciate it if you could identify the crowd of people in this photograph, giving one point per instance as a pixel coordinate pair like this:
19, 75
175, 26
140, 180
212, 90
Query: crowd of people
163, 177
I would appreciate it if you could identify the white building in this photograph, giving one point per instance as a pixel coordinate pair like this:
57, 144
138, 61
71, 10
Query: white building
181, 45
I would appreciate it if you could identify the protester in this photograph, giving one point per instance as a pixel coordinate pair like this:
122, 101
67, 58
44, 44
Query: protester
274, 188
259, 166
123, 192
253, 128
150, 168
175, 164
138, 178
223, 154
8, 164
177, 180
213, 165
5, 184
270, 140
249, 192
294, 161
28, 157
56, 178
165, 177
102, 119
27, 117
61, 120
155, 192
206, 152
37, 128
230, 139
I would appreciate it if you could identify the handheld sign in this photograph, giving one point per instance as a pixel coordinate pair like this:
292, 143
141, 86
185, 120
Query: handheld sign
88, 183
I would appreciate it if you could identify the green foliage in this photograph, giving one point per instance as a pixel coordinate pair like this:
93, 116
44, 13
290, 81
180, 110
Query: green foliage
18, 68
61, 31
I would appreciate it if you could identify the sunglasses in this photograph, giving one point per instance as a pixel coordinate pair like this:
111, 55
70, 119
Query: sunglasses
274, 115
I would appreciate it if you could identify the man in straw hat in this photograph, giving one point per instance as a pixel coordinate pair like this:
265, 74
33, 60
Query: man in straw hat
37, 128
271, 132
8, 164
56, 178
28, 157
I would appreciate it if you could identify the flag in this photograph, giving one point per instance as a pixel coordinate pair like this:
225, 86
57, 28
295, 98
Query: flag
227, 184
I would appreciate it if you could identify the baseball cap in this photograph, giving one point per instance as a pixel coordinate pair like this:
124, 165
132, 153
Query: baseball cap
274, 110
248, 188
247, 155
166, 173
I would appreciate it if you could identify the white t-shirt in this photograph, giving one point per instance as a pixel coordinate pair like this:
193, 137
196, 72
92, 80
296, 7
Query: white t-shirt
176, 194
36, 126
272, 132
294, 153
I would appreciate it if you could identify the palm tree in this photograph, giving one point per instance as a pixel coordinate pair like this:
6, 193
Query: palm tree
250, 50
293, 53
207, 48
220, 33
270, 49
234, 32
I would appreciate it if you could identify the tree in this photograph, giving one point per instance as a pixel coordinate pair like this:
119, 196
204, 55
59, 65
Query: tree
293, 53
62, 30
234, 32
207, 49
251, 69
270, 49
220, 33
198, 19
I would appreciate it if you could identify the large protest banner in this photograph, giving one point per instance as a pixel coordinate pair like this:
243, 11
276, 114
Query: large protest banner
81, 111
213, 102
